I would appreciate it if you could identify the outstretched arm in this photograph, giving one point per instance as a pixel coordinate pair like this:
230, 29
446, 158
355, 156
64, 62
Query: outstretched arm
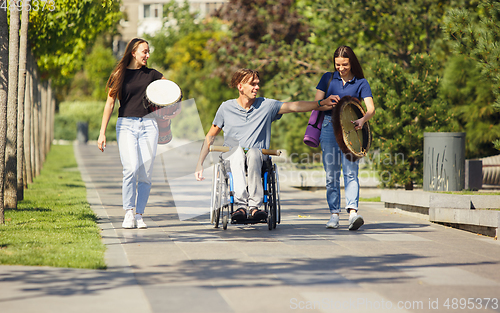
306, 106
209, 139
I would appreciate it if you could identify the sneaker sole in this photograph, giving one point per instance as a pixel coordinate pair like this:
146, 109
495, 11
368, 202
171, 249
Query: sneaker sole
334, 227
357, 224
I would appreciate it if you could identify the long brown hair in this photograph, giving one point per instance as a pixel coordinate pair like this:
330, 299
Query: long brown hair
346, 52
115, 80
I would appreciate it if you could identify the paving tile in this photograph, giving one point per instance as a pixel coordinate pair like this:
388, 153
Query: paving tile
169, 299
447, 276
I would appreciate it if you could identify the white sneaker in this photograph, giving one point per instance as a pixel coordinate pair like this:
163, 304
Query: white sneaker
355, 221
140, 221
333, 222
128, 221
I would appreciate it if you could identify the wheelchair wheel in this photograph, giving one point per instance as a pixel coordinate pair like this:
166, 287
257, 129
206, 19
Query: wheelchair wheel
225, 203
220, 194
225, 218
274, 198
217, 218
213, 195
269, 220
278, 204
271, 214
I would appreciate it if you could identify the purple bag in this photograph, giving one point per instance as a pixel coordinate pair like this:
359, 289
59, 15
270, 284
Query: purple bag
313, 130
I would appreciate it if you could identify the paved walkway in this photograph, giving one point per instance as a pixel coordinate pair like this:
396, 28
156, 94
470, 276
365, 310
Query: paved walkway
395, 262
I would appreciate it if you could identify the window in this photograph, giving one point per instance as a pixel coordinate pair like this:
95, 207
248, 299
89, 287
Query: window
153, 10
147, 10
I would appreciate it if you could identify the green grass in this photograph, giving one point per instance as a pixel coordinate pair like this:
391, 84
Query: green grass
54, 224
372, 199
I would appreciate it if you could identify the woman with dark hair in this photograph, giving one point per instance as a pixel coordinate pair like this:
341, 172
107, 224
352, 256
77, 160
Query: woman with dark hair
136, 133
348, 80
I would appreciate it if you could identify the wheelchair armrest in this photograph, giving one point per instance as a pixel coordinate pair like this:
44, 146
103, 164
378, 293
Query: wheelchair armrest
226, 149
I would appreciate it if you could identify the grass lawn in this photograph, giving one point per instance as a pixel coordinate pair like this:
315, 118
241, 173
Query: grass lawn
54, 224
372, 199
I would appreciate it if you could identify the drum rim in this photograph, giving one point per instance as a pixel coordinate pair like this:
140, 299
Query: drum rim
340, 135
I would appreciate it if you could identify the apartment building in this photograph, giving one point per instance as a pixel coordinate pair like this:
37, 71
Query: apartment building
146, 17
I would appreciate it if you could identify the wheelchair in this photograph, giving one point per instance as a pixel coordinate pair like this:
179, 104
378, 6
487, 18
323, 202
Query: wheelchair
222, 196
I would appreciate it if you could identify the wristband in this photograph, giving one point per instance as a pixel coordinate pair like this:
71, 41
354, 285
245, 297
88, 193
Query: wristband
319, 104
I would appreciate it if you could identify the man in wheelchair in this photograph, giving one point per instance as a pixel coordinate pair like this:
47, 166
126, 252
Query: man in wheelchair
247, 121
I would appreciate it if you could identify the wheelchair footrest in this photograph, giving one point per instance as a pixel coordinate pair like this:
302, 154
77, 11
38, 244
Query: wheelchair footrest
249, 221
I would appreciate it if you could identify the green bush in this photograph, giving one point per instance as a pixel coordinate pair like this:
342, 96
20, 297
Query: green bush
70, 113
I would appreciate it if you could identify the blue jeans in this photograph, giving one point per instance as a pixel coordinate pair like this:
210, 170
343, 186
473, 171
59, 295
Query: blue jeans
333, 159
137, 141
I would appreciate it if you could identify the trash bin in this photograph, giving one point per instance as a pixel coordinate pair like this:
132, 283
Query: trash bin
82, 132
473, 174
444, 161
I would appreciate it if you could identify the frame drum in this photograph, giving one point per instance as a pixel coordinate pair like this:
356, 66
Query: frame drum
353, 143
162, 98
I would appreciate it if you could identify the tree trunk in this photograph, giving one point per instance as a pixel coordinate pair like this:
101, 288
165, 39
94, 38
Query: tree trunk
34, 107
28, 107
36, 128
10, 192
4, 67
48, 119
23, 50
42, 124
52, 113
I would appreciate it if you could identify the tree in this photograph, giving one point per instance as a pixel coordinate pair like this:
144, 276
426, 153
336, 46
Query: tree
10, 191
23, 53
408, 105
4, 61
395, 29
475, 33
472, 104
79, 23
99, 64
258, 29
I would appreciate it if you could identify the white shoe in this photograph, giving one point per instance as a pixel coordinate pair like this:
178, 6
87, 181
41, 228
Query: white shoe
140, 221
355, 221
129, 221
333, 222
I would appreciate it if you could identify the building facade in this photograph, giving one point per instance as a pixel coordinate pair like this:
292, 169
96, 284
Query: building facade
146, 17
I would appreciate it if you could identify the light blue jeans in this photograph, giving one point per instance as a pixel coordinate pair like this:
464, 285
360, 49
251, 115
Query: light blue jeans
137, 141
333, 160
